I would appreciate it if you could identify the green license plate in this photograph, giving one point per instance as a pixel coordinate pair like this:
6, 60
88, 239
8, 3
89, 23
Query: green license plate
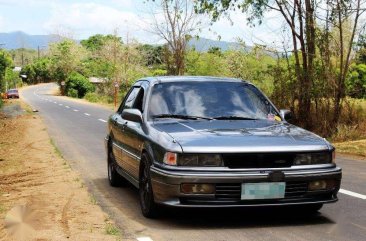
263, 190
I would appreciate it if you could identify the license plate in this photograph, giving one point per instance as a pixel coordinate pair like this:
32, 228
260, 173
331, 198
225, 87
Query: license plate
263, 190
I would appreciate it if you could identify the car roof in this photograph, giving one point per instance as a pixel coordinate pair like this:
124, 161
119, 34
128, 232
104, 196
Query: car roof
12, 90
162, 79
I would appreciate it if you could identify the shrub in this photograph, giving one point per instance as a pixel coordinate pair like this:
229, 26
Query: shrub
1, 102
77, 85
356, 81
92, 97
72, 93
159, 72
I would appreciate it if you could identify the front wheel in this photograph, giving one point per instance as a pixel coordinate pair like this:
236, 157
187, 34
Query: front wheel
148, 206
115, 180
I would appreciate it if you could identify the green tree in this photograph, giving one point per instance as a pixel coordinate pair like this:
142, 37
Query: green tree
153, 55
5, 63
12, 78
38, 72
29, 71
65, 57
205, 64
96, 42
77, 85
356, 81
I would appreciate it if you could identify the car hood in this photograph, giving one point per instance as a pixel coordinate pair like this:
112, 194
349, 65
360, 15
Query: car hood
223, 136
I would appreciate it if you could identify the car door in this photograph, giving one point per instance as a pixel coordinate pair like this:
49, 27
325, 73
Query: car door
133, 138
118, 129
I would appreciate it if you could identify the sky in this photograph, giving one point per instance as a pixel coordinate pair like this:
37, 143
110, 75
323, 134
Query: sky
80, 19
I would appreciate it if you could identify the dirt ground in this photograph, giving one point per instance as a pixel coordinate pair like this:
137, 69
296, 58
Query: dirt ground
41, 197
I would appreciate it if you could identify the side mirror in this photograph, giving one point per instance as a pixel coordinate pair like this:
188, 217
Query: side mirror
132, 115
286, 115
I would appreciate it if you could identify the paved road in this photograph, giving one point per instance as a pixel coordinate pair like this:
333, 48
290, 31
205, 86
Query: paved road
78, 130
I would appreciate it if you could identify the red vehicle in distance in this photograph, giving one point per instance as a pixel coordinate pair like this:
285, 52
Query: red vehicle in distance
12, 93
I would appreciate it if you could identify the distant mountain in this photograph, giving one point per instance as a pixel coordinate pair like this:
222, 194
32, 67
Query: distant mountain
204, 44
16, 40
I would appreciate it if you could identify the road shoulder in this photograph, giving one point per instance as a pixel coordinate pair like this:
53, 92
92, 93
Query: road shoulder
40, 195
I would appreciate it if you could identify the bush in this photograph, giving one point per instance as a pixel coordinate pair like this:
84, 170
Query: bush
92, 97
356, 81
159, 72
72, 93
1, 102
77, 85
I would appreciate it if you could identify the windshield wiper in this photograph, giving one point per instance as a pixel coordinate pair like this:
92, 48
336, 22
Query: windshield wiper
185, 117
233, 117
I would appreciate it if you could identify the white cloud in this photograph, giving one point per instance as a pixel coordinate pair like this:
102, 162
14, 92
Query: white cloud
89, 18
268, 33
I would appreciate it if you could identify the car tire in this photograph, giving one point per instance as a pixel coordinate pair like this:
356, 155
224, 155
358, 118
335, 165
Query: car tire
114, 178
148, 206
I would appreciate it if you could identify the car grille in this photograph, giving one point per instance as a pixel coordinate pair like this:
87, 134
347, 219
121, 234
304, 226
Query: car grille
232, 191
256, 160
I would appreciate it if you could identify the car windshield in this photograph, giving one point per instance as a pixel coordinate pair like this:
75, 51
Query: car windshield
210, 100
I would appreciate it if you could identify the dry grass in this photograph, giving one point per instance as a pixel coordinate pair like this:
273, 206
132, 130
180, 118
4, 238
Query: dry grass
352, 147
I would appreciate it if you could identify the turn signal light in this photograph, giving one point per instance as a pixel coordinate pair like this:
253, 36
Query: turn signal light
170, 158
190, 188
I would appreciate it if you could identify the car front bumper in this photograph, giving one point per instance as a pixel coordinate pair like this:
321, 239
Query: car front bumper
167, 187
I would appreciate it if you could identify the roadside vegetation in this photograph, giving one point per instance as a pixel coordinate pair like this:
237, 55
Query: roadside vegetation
319, 72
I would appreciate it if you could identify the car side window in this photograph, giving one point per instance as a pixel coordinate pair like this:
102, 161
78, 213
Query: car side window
133, 100
139, 100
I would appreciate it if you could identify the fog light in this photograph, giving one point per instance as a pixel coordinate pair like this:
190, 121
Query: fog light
190, 188
317, 185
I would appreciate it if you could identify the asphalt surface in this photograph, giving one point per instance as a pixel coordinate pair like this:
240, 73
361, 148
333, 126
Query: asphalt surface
78, 129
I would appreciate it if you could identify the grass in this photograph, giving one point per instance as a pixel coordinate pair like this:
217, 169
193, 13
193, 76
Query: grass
352, 147
93, 200
107, 100
111, 229
58, 152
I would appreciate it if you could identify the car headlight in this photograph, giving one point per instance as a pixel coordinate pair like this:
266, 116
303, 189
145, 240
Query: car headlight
313, 158
201, 160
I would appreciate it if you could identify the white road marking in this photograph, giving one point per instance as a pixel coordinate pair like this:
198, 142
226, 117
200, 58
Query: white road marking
87, 114
55, 102
144, 239
102, 120
75, 110
353, 194
60, 104
67, 107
